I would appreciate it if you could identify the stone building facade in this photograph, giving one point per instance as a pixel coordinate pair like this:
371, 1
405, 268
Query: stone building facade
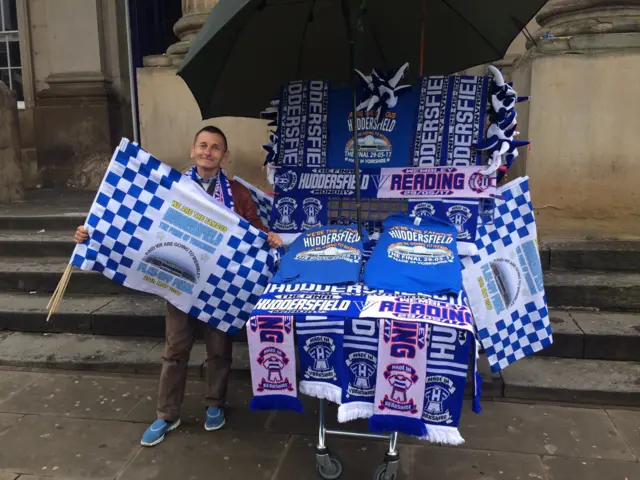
580, 65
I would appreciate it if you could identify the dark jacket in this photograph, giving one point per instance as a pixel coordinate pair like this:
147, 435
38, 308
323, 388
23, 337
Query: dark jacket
245, 206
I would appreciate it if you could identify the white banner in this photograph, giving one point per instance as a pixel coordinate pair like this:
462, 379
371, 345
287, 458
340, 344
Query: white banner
436, 182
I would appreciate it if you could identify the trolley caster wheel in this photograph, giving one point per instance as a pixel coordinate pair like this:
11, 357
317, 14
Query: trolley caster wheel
383, 472
330, 468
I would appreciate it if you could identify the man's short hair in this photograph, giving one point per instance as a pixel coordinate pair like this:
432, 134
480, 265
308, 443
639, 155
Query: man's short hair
212, 129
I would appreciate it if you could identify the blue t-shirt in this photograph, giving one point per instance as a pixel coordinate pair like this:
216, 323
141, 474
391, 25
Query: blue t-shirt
328, 255
415, 258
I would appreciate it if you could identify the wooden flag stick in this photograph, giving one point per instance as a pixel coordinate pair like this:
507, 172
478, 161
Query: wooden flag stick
56, 298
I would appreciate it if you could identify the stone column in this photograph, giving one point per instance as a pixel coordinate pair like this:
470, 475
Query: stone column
582, 73
194, 14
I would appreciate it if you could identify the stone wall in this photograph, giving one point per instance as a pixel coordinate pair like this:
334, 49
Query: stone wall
11, 187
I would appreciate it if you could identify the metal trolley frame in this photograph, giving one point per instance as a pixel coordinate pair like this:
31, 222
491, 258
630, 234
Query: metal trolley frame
329, 466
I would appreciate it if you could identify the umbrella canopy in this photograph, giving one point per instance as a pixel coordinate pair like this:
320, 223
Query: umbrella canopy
247, 49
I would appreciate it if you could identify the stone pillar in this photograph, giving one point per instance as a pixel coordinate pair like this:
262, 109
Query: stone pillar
11, 184
79, 117
194, 14
582, 74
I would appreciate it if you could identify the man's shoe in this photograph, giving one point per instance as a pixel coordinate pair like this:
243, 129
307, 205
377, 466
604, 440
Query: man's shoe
215, 419
155, 433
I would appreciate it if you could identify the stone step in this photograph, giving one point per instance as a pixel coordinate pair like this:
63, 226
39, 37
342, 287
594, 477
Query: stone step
32, 243
577, 334
41, 275
596, 255
109, 315
570, 380
530, 379
602, 290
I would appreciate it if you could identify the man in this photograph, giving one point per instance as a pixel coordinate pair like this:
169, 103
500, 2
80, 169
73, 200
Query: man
209, 152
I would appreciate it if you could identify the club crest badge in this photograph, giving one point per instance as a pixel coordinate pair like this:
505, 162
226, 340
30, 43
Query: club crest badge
438, 390
286, 180
320, 348
459, 215
363, 367
273, 360
285, 207
423, 209
311, 208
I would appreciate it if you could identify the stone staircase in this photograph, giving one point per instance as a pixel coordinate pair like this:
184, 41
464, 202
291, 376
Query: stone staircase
593, 289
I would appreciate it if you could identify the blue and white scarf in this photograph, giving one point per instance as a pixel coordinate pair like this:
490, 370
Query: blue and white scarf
320, 352
448, 354
222, 190
360, 357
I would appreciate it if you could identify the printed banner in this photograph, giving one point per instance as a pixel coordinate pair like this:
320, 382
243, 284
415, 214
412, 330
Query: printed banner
384, 136
436, 182
417, 309
431, 182
154, 230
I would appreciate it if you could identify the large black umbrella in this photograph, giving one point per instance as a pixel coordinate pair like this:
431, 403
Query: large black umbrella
247, 49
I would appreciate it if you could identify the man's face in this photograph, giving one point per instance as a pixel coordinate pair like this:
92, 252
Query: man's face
209, 151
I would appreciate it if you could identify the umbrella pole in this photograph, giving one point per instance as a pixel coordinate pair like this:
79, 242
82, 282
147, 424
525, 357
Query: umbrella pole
354, 119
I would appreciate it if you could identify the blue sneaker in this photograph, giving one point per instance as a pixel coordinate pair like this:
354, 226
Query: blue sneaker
215, 419
155, 433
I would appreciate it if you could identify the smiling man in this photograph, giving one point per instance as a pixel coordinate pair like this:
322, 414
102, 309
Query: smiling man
209, 152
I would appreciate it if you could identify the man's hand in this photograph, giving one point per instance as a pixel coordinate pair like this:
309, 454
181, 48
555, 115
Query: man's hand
273, 239
81, 234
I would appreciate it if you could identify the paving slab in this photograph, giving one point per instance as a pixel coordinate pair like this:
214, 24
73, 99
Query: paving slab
544, 430
73, 352
359, 458
7, 420
10, 476
61, 447
437, 463
237, 412
192, 453
603, 290
628, 424
568, 339
27, 312
569, 380
12, 382
81, 396
610, 336
131, 315
557, 468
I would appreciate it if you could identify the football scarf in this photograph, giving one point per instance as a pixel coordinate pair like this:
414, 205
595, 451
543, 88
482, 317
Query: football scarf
448, 354
320, 354
273, 363
400, 380
222, 189
360, 360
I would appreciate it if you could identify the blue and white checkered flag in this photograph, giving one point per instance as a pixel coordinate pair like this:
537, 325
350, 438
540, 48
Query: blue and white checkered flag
155, 230
264, 202
504, 281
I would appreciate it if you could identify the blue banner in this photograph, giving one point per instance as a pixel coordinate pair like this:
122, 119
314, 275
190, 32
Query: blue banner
384, 135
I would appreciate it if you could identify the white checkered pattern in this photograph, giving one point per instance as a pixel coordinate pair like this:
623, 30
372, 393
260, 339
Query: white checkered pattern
264, 202
234, 288
133, 187
526, 329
